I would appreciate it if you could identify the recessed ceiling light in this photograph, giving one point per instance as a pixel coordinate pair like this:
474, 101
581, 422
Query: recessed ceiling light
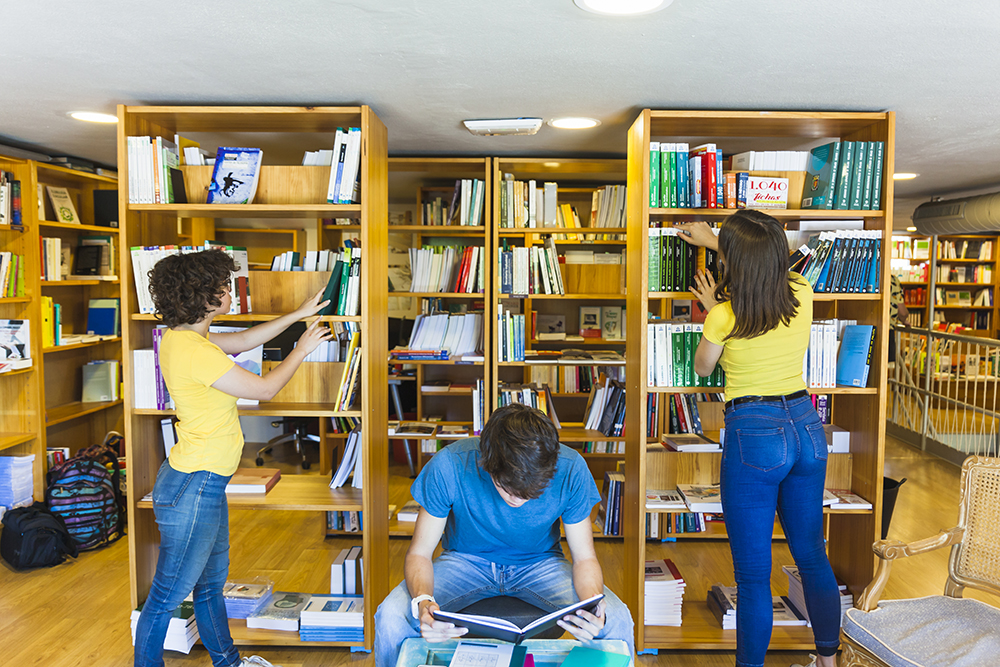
93, 117
500, 126
622, 7
903, 176
574, 123
911, 229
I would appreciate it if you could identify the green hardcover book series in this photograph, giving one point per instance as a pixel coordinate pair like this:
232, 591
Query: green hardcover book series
847, 156
654, 174
673, 176
857, 176
877, 176
821, 176
866, 202
665, 174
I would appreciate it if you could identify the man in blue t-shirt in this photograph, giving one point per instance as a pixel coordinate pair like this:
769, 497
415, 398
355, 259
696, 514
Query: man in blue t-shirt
497, 501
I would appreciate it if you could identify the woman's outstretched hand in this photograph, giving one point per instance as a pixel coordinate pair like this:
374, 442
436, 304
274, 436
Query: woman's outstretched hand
704, 289
699, 234
312, 305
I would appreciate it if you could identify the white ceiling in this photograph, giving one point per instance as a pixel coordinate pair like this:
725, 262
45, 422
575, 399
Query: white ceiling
426, 66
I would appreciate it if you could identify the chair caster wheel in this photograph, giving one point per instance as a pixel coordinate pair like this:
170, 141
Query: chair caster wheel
305, 465
260, 461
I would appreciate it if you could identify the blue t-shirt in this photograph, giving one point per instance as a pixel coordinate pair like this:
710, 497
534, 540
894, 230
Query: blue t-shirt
453, 485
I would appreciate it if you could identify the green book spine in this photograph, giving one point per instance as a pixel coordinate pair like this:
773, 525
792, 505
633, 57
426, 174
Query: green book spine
654, 174
857, 176
677, 334
654, 259
345, 274
877, 176
689, 347
847, 154
667, 254
665, 150
834, 170
866, 203
673, 177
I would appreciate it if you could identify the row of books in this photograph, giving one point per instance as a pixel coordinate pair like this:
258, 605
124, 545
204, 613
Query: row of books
681, 411
845, 175
10, 201
572, 356
448, 269
662, 525
144, 258
311, 260
565, 379
465, 209
670, 350
530, 205
510, 334
350, 463
975, 320
343, 290
841, 261
663, 593
444, 336
915, 273
610, 511
344, 186
346, 336
965, 249
602, 447
56, 455
911, 247
976, 273
350, 380
681, 177
948, 297
347, 572
347, 521
343, 424
605, 411
530, 270
103, 322
830, 363
11, 275
673, 262
538, 397
722, 601
153, 170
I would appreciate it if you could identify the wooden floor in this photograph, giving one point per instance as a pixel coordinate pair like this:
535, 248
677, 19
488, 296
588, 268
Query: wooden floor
77, 614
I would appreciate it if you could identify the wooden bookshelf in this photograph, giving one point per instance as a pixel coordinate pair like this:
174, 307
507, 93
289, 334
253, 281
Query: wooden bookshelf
862, 412
285, 191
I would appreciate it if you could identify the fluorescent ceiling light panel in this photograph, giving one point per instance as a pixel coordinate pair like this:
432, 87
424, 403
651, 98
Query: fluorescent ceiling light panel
93, 117
501, 126
903, 176
622, 7
574, 123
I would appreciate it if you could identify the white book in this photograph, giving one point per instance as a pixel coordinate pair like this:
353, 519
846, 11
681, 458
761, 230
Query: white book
352, 160
352, 580
337, 573
332, 190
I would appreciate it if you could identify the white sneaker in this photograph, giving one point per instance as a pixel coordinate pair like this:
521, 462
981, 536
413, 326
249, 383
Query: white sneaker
812, 662
256, 661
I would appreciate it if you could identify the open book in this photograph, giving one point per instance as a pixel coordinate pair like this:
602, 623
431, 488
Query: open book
498, 628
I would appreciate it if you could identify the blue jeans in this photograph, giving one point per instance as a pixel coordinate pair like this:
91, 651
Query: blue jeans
775, 459
463, 579
193, 518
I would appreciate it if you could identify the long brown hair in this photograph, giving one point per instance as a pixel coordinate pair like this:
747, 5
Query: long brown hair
755, 273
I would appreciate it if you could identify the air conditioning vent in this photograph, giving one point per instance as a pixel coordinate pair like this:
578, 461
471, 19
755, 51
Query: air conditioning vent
967, 215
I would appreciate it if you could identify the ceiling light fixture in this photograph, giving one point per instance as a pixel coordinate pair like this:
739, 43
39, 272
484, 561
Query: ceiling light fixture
903, 176
574, 123
501, 126
911, 229
622, 7
93, 117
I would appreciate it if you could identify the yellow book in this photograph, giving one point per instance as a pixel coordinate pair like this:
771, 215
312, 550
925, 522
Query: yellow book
355, 337
48, 322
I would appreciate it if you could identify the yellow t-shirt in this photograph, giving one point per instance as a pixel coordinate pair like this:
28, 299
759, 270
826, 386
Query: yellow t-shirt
208, 428
770, 364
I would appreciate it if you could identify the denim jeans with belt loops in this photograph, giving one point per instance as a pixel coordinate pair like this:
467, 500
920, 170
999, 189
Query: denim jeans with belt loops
774, 459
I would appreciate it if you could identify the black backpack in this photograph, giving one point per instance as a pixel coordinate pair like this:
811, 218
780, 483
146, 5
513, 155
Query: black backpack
35, 537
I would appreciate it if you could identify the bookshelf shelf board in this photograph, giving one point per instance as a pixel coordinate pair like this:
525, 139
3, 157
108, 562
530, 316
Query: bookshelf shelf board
591, 242
295, 492
571, 394
253, 317
924, 283
15, 299
685, 390
701, 631
841, 296
574, 343
941, 307
601, 455
669, 122
437, 230
720, 526
7, 228
556, 362
74, 410
78, 227
8, 440
253, 210
443, 295
19, 371
671, 295
960, 284
618, 297
781, 213
538, 231
77, 283
77, 346
189, 119
86, 175
331, 226
577, 434
275, 410
942, 260
450, 392
436, 362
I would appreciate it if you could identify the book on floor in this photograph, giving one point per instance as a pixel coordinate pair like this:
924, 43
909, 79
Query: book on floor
498, 628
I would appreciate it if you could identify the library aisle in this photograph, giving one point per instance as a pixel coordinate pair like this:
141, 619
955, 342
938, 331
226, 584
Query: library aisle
90, 594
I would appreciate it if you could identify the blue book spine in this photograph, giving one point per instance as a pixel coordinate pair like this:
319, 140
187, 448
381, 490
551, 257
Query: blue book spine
854, 359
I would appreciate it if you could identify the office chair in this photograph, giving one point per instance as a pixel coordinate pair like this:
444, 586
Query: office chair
297, 436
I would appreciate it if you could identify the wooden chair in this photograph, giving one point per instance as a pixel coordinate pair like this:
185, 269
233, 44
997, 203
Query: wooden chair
943, 630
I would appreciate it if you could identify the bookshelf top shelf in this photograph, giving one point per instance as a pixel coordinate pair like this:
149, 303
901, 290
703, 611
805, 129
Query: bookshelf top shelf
75, 173
780, 213
248, 119
438, 230
8, 440
760, 123
252, 210
295, 492
78, 227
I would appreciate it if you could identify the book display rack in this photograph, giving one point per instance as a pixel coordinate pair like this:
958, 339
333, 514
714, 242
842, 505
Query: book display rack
287, 191
858, 410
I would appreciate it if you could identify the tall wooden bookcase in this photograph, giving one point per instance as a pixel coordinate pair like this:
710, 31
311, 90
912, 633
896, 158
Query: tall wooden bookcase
285, 191
414, 181
861, 411
945, 310
586, 284
22, 416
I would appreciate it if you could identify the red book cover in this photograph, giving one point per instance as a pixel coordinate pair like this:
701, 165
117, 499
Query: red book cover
463, 268
243, 289
680, 413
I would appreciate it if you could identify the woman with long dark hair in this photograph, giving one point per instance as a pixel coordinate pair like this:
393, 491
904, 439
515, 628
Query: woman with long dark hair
774, 457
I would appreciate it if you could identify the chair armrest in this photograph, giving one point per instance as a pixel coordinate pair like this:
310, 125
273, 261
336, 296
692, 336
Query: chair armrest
890, 550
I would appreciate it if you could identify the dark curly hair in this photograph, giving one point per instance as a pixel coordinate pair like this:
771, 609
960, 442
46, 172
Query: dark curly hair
184, 287
519, 448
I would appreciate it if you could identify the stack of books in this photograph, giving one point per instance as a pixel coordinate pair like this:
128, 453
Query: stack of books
664, 593
844, 175
144, 258
279, 612
347, 573
466, 208
17, 484
605, 411
333, 618
702, 497
444, 336
245, 597
182, 631
797, 597
722, 601
409, 512
843, 261
664, 499
690, 442
11, 274
350, 463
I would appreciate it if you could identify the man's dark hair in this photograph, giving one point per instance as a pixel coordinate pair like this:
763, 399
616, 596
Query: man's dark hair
184, 287
755, 277
519, 448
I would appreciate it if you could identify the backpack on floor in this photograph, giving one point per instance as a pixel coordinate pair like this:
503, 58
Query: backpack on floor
87, 496
34, 537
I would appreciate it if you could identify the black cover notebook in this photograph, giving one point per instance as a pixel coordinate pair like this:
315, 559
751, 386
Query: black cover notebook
498, 628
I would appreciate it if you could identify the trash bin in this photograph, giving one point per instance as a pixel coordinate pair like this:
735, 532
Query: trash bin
890, 489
